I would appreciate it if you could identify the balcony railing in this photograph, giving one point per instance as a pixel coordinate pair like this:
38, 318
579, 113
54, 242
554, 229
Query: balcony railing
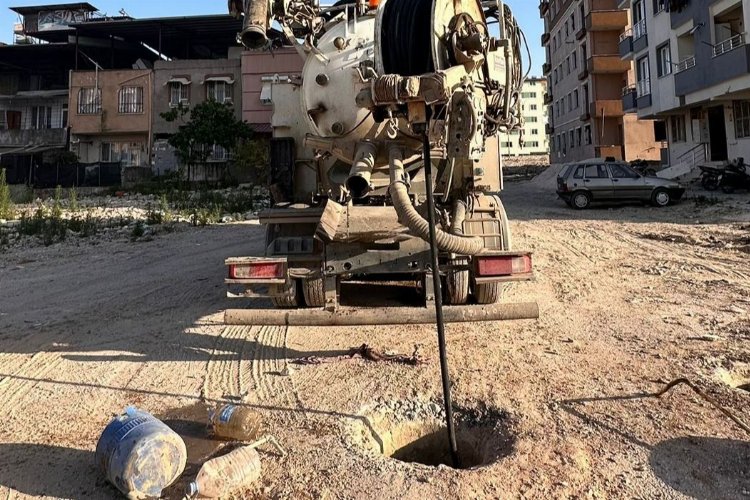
543, 7
639, 29
628, 33
735, 42
644, 87
685, 64
545, 38
629, 97
546, 68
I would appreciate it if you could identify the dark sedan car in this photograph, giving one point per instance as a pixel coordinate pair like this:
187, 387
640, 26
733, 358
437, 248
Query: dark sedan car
580, 184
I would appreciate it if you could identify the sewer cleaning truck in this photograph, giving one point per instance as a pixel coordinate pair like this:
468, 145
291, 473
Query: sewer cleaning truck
400, 102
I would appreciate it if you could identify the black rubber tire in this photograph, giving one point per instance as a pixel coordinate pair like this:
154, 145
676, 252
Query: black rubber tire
314, 292
488, 293
290, 297
575, 201
659, 196
457, 285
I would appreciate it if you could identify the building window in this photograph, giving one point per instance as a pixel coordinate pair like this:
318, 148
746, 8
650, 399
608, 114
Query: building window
644, 77
678, 128
578, 136
572, 139
89, 101
534, 131
530, 119
218, 153
532, 107
127, 154
741, 119
532, 144
575, 98
219, 91
664, 60
587, 134
528, 95
659, 6
179, 93
130, 100
41, 117
64, 116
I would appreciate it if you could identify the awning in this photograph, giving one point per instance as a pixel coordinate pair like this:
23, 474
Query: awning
30, 149
179, 79
36, 94
226, 79
261, 128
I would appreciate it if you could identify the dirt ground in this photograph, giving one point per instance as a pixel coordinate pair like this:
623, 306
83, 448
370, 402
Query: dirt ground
631, 298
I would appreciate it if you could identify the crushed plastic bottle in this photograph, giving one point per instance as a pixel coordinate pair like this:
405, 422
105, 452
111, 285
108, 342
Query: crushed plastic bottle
222, 475
235, 423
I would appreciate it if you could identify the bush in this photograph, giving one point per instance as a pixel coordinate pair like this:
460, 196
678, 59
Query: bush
7, 209
73, 200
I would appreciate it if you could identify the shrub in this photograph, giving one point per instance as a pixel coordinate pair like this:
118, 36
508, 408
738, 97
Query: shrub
7, 209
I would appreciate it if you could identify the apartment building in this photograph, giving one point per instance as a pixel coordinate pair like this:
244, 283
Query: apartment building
693, 72
186, 83
110, 117
535, 140
585, 77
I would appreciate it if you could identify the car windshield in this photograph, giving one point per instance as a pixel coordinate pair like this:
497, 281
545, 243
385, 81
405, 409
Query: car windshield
620, 171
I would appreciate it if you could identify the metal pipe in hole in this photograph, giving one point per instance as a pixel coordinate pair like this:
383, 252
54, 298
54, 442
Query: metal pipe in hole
439, 304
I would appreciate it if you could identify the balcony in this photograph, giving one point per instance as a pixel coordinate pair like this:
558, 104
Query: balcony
545, 38
606, 20
581, 33
543, 8
607, 64
735, 42
546, 68
22, 138
548, 98
609, 152
585, 116
624, 4
606, 107
640, 36
629, 99
697, 73
583, 74
626, 44
549, 129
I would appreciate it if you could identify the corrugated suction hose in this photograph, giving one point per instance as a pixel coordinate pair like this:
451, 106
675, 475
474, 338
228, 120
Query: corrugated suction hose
409, 216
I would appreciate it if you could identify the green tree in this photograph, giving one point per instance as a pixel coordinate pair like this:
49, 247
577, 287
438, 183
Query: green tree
203, 126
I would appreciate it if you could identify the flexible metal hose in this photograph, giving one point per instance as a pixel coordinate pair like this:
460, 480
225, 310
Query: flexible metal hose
459, 216
409, 216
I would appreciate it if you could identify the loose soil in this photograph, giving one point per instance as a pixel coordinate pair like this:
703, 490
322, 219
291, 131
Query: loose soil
631, 298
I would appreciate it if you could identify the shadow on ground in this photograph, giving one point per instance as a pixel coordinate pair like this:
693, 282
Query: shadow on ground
704, 467
22, 465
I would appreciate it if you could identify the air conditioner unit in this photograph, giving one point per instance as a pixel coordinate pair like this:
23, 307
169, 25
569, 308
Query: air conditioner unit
184, 102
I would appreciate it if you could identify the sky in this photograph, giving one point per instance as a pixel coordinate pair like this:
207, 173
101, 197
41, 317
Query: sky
526, 11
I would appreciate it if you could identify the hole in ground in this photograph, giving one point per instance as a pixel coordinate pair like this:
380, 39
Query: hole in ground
415, 433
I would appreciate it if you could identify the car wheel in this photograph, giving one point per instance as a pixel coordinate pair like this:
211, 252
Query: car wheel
581, 200
661, 197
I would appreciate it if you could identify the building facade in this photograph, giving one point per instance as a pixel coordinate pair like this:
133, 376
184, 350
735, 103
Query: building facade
693, 72
535, 140
186, 83
110, 116
585, 77
259, 71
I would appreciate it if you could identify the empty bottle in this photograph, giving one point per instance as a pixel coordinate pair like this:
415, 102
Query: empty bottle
222, 475
235, 422
140, 455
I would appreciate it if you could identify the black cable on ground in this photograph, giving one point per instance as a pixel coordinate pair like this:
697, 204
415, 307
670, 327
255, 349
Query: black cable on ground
439, 306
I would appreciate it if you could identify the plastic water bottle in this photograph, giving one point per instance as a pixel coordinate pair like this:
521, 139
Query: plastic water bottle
222, 475
235, 423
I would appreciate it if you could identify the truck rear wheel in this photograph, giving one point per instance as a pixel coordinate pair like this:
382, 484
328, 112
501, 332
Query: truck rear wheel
488, 293
286, 296
314, 291
457, 284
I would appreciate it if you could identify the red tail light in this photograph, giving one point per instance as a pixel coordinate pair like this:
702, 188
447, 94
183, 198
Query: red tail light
503, 265
256, 270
